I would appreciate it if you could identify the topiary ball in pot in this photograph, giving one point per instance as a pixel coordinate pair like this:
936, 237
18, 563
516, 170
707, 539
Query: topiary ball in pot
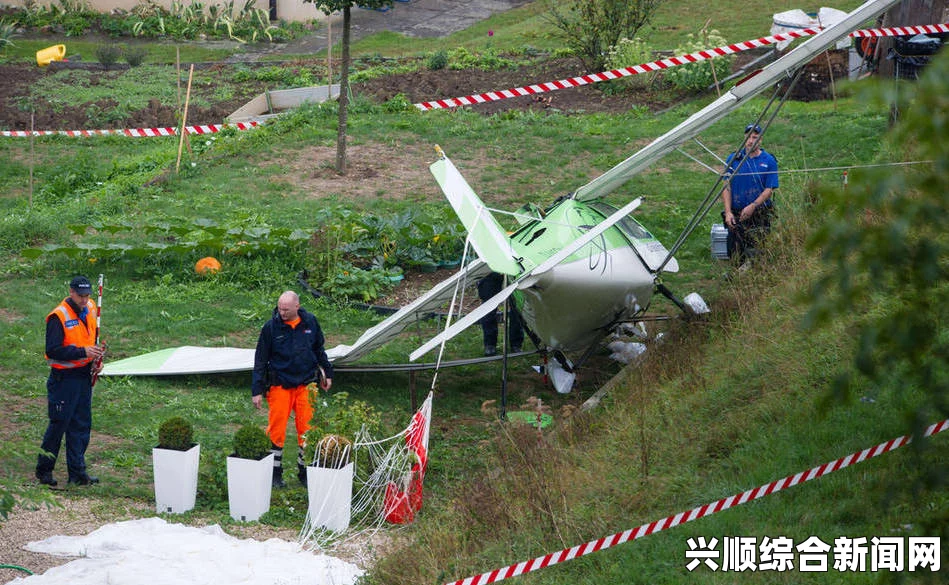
251, 442
175, 433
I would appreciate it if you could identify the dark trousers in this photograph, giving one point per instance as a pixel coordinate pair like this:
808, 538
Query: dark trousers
489, 286
69, 406
744, 236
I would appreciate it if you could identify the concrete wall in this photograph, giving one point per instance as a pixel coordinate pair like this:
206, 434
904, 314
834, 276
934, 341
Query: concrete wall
289, 10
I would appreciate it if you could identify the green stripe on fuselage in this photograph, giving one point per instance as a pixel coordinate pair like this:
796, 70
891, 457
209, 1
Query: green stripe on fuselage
564, 223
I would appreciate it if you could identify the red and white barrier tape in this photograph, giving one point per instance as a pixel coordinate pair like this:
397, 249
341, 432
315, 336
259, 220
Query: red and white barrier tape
526, 90
693, 514
134, 132
902, 31
491, 96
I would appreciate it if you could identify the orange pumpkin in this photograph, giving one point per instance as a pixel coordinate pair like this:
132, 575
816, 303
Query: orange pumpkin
206, 265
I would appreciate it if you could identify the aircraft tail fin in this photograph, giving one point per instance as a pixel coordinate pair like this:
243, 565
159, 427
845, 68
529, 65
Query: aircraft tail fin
486, 235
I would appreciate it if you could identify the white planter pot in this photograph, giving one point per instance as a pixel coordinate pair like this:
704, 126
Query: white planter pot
248, 487
330, 494
176, 479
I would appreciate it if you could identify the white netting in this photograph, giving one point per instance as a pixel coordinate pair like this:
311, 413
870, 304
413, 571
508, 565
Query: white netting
386, 485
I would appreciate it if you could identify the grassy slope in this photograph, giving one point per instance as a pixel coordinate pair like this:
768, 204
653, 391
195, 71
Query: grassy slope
695, 424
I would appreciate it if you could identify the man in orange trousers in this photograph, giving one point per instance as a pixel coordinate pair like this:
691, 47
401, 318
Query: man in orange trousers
289, 355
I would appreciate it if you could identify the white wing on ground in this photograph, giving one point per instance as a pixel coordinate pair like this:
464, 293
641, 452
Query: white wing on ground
177, 361
183, 360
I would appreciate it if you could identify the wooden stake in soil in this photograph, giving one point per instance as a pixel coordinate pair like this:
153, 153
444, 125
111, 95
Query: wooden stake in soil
178, 74
32, 155
182, 129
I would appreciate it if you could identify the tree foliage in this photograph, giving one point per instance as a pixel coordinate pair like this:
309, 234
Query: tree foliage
590, 28
885, 246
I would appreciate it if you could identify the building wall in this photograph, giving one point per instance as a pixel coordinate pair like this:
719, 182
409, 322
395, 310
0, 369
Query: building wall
289, 10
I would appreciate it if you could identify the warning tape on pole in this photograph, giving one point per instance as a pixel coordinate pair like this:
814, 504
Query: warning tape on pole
703, 55
694, 514
133, 132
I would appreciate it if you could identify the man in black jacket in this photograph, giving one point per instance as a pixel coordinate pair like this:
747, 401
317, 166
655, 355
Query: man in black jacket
289, 355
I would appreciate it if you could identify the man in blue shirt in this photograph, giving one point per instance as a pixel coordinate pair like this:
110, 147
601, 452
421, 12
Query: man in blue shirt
753, 177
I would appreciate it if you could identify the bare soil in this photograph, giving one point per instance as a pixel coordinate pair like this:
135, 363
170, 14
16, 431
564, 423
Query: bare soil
424, 85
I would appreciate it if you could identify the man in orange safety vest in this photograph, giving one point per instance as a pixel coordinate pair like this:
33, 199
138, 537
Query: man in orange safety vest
72, 354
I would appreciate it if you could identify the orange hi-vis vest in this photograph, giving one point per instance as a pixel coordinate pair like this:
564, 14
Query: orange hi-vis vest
76, 332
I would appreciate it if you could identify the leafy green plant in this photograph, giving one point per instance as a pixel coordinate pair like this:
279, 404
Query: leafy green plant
699, 76
337, 416
8, 30
357, 284
489, 60
627, 53
175, 433
251, 442
176, 236
398, 103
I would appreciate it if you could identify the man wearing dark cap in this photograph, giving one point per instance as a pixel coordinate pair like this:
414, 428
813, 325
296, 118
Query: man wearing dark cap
72, 354
753, 177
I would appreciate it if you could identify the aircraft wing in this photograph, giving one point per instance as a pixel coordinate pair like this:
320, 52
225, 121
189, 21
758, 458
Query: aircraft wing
730, 100
213, 360
486, 235
465, 322
176, 361
392, 326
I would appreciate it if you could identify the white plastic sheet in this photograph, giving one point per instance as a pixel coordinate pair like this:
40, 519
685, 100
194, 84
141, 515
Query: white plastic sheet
151, 551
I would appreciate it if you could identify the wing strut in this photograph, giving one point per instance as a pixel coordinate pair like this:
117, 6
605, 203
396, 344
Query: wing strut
730, 100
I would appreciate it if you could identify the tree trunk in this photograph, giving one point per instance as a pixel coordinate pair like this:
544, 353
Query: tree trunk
343, 99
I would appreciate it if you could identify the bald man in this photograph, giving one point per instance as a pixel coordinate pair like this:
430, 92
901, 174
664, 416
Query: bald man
289, 356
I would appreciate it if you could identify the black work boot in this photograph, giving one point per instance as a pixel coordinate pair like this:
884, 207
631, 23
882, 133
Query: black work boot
301, 474
84, 479
46, 478
278, 478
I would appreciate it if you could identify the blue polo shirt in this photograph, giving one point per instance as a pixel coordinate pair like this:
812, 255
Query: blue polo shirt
753, 175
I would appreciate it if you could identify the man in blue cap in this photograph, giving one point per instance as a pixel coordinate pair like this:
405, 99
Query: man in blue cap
71, 352
747, 196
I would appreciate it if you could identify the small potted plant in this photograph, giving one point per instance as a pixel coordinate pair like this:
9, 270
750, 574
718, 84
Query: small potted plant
175, 466
249, 474
329, 452
329, 483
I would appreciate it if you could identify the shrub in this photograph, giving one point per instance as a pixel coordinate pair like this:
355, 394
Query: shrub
175, 433
134, 56
251, 442
108, 55
332, 451
698, 76
590, 28
438, 60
